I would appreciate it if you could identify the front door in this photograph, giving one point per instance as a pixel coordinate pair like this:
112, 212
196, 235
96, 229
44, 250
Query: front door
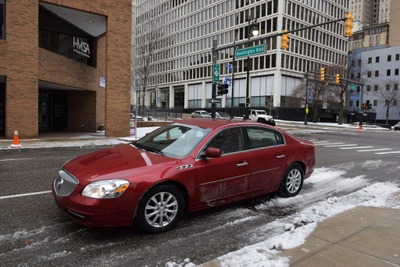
227, 176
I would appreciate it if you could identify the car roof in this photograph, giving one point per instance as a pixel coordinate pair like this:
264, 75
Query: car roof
215, 123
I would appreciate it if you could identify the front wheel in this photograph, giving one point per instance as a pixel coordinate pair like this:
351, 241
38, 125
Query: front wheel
292, 181
160, 209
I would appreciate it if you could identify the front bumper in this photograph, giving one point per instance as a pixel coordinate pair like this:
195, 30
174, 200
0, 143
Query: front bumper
97, 212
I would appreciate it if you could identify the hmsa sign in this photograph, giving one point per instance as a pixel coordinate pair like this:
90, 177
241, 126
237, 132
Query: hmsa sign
81, 47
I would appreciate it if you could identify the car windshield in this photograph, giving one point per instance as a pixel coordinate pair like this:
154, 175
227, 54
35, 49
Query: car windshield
175, 140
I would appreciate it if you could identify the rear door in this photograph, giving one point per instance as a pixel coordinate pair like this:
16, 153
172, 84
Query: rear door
267, 158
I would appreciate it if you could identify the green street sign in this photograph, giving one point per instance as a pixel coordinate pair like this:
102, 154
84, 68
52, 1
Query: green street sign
353, 87
216, 73
250, 51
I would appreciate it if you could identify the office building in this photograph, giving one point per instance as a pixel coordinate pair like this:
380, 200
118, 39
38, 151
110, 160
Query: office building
174, 42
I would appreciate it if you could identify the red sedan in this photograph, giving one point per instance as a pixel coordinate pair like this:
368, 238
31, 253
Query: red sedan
185, 166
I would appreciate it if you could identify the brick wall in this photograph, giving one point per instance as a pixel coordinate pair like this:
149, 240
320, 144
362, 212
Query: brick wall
25, 64
19, 62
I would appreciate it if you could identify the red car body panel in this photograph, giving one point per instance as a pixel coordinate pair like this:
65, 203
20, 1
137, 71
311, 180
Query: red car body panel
205, 183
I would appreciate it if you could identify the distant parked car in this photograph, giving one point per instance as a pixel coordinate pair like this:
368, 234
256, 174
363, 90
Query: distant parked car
200, 114
222, 115
182, 167
396, 126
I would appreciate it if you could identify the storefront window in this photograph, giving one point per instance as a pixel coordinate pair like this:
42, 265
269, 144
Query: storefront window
2, 19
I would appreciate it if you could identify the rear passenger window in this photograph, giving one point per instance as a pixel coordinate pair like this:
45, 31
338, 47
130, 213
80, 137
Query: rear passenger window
260, 137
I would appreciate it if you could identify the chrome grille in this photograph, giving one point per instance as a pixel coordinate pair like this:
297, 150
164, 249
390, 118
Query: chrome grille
64, 184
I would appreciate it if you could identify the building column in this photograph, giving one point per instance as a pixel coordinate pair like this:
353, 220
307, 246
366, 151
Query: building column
171, 97
204, 95
186, 95
277, 88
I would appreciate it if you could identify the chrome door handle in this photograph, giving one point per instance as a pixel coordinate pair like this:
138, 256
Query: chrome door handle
282, 156
242, 164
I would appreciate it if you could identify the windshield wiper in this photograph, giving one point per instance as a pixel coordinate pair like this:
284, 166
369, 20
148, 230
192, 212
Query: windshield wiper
150, 149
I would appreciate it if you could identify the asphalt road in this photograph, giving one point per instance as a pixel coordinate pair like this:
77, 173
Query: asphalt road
33, 232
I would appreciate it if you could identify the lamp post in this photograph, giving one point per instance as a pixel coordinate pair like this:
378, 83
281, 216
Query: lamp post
252, 30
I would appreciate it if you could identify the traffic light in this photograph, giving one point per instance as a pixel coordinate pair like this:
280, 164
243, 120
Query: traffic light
338, 78
322, 74
364, 106
285, 40
348, 25
222, 89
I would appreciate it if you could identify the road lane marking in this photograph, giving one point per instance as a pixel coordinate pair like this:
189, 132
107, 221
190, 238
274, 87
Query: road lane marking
25, 195
15, 159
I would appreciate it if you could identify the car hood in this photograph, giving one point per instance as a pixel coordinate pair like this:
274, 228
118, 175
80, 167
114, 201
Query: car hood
115, 162
268, 117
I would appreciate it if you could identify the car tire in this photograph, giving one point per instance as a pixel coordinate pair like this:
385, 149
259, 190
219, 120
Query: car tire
262, 121
292, 181
160, 209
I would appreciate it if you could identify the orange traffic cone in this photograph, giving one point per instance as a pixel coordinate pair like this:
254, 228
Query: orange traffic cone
16, 142
360, 127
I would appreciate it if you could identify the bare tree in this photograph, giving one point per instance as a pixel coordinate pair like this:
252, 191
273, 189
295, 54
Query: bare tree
316, 93
390, 94
149, 40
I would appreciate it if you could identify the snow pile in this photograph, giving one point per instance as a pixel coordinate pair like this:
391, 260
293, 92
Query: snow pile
292, 231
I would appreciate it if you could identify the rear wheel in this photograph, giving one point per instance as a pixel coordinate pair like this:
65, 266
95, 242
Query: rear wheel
160, 209
292, 181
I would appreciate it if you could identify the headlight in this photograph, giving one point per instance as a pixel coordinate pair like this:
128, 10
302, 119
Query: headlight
106, 189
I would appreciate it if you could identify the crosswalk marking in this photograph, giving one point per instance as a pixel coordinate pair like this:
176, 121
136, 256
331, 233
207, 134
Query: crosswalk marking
387, 152
356, 147
343, 145
373, 150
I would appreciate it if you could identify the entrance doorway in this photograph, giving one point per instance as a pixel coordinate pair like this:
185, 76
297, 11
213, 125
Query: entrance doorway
52, 110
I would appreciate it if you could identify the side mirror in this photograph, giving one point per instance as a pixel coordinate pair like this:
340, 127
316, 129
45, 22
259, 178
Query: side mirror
212, 152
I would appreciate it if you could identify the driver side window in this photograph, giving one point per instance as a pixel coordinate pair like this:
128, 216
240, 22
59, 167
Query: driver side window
229, 141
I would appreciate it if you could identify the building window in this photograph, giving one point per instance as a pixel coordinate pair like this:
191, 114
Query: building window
375, 103
369, 60
377, 60
68, 41
369, 74
396, 86
396, 72
389, 58
397, 57
368, 87
376, 87
387, 87
387, 72
2, 19
377, 73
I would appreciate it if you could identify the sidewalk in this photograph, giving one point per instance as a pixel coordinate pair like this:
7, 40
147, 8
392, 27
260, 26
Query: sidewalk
363, 236
74, 139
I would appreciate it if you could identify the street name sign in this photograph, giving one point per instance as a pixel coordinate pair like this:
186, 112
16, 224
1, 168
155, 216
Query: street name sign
215, 100
250, 51
216, 73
